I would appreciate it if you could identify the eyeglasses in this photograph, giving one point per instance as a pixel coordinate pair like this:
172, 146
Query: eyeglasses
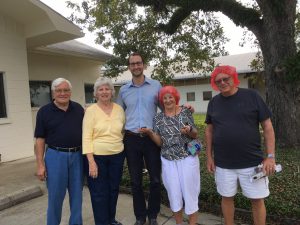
224, 80
136, 63
60, 91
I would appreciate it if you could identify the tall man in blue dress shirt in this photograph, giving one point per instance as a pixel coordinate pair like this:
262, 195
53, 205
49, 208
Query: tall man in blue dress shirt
139, 98
59, 125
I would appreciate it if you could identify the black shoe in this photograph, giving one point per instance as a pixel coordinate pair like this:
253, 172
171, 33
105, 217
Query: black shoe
116, 223
140, 222
153, 222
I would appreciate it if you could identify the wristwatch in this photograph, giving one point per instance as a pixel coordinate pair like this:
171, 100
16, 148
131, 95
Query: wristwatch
271, 156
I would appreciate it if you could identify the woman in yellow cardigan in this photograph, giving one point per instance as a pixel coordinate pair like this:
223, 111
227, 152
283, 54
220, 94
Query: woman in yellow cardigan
102, 142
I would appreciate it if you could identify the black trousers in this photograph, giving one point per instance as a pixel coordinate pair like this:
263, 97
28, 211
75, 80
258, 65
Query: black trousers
140, 149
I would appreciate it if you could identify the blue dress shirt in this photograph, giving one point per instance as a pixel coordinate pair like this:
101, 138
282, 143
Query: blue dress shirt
139, 103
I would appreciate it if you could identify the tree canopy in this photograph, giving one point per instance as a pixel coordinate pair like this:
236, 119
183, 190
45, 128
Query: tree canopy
169, 32
126, 28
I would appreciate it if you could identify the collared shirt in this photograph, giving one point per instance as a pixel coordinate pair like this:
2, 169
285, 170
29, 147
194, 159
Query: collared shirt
139, 103
60, 128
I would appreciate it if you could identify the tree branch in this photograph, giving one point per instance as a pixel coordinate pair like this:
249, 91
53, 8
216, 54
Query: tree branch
239, 14
177, 18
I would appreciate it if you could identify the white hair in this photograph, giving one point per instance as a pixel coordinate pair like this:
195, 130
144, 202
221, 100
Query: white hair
104, 81
58, 81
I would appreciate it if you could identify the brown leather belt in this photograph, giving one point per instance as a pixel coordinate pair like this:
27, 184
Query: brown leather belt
61, 149
130, 133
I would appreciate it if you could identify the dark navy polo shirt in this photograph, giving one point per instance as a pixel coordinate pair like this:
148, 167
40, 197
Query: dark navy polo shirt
60, 128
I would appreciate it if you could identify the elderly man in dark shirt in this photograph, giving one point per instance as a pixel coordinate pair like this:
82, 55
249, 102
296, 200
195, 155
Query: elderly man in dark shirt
59, 125
233, 143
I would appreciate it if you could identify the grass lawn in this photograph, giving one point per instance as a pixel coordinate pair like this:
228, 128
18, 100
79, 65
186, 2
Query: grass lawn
199, 119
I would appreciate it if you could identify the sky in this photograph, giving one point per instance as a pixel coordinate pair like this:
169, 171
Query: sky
231, 31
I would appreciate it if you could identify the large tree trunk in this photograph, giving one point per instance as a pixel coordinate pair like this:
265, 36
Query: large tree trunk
276, 39
284, 100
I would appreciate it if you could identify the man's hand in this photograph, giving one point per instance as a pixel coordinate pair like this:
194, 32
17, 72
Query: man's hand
190, 107
210, 165
41, 172
39, 154
269, 166
145, 130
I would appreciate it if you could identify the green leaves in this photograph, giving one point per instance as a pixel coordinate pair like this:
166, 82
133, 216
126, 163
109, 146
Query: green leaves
127, 28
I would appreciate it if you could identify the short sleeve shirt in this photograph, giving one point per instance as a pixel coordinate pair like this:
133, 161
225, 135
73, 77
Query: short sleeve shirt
60, 128
173, 142
235, 119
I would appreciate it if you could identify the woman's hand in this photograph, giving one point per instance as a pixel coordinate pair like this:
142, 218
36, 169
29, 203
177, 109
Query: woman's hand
93, 169
186, 129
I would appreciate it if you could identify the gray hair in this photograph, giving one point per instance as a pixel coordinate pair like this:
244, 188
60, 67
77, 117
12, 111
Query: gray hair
104, 81
58, 81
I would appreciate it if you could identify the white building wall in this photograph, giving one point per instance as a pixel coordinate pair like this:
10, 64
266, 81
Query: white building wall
45, 67
16, 130
200, 105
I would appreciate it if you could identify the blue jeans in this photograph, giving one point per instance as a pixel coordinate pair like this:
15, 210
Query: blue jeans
104, 189
139, 150
64, 171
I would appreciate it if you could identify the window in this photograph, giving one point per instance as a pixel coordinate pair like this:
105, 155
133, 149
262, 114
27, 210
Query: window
89, 93
3, 113
40, 93
207, 95
190, 96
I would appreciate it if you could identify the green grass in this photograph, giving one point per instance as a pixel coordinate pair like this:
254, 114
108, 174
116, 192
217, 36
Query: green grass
199, 119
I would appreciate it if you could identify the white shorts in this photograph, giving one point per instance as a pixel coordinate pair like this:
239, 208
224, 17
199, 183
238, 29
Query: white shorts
181, 179
227, 183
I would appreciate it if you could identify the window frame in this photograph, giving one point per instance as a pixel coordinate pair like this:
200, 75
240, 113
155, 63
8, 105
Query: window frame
44, 82
188, 96
6, 119
91, 86
204, 98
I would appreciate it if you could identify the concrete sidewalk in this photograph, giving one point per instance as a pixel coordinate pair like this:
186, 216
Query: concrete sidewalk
23, 200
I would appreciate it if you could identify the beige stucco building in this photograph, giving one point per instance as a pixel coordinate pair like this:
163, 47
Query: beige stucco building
37, 46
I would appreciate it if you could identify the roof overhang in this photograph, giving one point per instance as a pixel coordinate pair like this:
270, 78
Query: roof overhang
74, 48
42, 25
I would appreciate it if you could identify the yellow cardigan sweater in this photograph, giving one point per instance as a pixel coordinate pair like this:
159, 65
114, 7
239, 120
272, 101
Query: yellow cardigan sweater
103, 134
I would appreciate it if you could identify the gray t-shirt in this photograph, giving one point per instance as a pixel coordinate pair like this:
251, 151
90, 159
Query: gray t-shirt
173, 142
